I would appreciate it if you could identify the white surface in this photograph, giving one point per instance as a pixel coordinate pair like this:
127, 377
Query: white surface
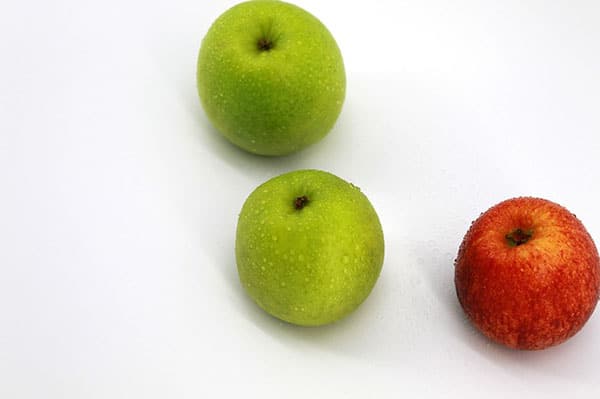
118, 200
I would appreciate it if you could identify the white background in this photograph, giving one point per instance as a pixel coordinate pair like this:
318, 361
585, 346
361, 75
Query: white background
118, 201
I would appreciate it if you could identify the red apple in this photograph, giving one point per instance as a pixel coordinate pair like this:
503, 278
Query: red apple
528, 273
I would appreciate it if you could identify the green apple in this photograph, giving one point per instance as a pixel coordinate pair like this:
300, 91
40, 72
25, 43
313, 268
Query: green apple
309, 247
270, 77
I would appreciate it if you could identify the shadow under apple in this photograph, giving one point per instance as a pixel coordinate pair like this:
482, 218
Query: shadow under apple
439, 272
342, 337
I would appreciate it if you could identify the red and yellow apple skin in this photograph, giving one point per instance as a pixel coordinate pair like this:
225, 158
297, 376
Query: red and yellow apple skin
527, 273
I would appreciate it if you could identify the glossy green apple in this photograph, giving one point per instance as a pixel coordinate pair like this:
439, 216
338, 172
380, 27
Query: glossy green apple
270, 77
309, 247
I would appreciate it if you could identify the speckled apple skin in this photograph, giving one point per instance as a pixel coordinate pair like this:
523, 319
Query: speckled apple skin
271, 102
314, 265
534, 295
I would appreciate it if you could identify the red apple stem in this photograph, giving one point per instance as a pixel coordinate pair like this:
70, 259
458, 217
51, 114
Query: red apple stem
518, 237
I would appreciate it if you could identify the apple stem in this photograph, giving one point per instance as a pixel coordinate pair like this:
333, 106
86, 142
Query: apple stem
265, 44
300, 202
518, 237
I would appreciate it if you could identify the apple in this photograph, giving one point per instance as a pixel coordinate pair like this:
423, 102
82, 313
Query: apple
270, 77
309, 247
528, 274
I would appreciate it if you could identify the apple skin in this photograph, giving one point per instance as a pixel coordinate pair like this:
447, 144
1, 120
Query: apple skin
532, 289
271, 101
311, 265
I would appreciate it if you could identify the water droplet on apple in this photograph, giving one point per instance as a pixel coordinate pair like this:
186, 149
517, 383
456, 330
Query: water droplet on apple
283, 283
346, 259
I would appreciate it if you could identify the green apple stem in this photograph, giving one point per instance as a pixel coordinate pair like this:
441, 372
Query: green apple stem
300, 202
264, 44
518, 237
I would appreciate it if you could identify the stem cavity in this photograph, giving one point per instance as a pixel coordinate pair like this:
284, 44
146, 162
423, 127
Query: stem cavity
300, 202
518, 237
